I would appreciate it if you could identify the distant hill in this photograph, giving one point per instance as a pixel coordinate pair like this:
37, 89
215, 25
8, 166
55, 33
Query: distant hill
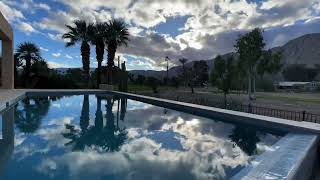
302, 50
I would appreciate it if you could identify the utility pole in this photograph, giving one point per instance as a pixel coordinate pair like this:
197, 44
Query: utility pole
167, 59
118, 61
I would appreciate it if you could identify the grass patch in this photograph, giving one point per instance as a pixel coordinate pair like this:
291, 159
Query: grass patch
289, 99
135, 88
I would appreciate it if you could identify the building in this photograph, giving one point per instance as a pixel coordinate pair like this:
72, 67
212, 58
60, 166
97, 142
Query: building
7, 63
297, 86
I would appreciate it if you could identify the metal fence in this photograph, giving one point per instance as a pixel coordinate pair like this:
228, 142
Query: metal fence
265, 111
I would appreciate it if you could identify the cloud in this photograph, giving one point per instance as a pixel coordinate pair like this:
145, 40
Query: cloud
44, 49
26, 28
55, 65
56, 37
68, 56
56, 55
11, 14
211, 27
43, 6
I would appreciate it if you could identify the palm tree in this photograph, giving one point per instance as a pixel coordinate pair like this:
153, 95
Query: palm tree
81, 32
98, 40
29, 53
183, 61
117, 35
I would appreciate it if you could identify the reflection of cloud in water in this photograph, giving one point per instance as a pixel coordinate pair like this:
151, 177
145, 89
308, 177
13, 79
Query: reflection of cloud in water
160, 145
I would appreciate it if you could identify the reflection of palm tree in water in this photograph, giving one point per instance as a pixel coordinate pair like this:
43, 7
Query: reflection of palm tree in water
123, 108
84, 117
29, 113
115, 135
246, 138
109, 138
78, 138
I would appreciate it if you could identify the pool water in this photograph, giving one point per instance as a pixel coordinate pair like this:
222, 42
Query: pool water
105, 137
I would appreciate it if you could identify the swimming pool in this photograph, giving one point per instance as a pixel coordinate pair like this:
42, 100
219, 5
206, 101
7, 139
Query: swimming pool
108, 137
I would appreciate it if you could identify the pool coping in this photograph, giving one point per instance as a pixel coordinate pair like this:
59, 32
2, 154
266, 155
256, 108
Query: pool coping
230, 115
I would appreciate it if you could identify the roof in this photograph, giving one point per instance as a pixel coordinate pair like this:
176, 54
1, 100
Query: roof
292, 83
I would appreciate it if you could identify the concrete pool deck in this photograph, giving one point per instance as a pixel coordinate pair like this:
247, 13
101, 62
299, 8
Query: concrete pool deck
296, 152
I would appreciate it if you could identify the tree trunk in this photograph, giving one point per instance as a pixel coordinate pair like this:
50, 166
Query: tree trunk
28, 70
249, 87
192, 89
85, 53
99, 57
112, 48
254, 87
225, 100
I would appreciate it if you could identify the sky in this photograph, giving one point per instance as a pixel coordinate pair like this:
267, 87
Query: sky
192, 29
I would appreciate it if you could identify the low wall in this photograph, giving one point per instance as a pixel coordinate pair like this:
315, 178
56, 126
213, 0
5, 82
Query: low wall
292, 157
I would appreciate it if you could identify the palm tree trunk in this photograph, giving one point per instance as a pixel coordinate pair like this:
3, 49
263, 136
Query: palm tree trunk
225, 100
112, 48
28, 70
249, 87
85, 53
99, 56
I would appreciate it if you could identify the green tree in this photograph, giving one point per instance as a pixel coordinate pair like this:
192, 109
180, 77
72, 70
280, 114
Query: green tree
140, 79
200, 70
17, 65
183, 61
223, 75
153, 83
98, 39
29, 53
270, 63
299, 72
81, 32
252, 58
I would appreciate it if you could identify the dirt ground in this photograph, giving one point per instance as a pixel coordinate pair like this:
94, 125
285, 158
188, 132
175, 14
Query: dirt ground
309, 102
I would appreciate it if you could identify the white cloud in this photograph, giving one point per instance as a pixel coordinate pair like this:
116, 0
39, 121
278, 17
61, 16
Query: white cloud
56, 55
26, 28
56, 37
210, 29
211, 26
9, 13
54, 65
44, 49
68, 56
43, 6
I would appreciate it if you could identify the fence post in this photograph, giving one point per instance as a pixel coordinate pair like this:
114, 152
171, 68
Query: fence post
303, 115
249, 108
